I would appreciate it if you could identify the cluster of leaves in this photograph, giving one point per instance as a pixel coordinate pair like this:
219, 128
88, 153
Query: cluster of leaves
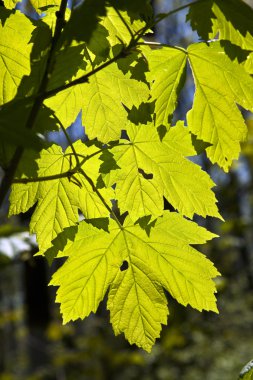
95, 59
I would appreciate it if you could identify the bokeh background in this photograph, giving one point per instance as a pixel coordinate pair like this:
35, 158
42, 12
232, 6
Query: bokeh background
34, 345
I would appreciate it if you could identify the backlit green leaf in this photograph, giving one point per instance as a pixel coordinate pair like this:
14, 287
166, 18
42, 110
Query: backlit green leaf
167, 72
220, 85
58, 199
103, 113
15, 50
151, 169
136, 300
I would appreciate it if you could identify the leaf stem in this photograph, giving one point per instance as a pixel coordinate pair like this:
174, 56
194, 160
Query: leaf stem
124, 22
158, 44
70, 143
85, 77
95, 190
88, 179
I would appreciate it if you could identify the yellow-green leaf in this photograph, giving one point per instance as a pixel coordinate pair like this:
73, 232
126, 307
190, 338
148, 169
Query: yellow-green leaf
135, 267
167, 73
221, 84
15, 50
151, 169
58, 199
104, 115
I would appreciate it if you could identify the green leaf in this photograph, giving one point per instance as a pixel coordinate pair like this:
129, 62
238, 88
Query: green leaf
88, 13
39, 4
117, 28
167, 73
137, 10
67, 104
151, 169
10, 4
58, 199
136, 300
103, 113
181, 139
234, 22
220, 85
203, 19
231, 18
15, 50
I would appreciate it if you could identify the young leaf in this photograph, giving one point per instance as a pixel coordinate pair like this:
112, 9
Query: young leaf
136, 300
231, 18
67, 104
220, 85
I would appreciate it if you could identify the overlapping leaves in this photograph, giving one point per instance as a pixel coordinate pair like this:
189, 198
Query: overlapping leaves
127, 94
215, 117
58, 200
151, 169
220, 84
230, 18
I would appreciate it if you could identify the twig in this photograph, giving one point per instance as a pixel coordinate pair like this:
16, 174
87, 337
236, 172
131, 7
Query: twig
95, 190
88, 179
142, 31
124, 22
70, 143
158, 44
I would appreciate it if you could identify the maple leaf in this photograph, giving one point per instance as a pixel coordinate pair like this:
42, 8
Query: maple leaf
167, 74
136, 300
103, 113
220, 85
117, 26
15, 50
151, 169
59, 199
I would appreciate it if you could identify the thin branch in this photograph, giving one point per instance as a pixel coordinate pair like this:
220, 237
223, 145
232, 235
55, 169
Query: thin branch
45, 178
12, 167
176, 10
88, 55
85, 77
161, 17
158, 44
88, 179
95, 190
68, 173
70, 142
124, 22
